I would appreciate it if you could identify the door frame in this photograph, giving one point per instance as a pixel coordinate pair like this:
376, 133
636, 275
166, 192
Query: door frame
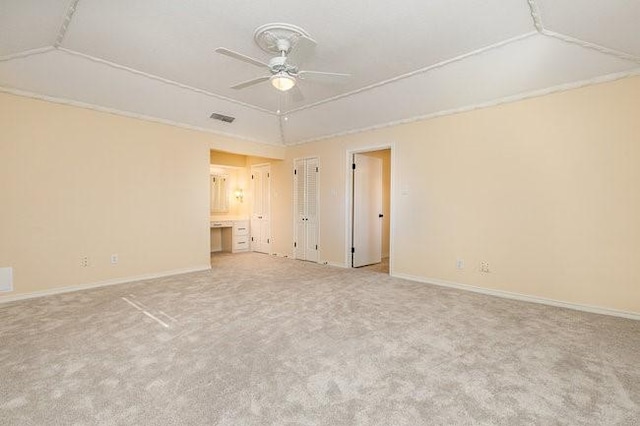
348, 237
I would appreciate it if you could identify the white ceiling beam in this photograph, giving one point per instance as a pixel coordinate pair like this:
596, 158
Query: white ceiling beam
535, 15
62, 32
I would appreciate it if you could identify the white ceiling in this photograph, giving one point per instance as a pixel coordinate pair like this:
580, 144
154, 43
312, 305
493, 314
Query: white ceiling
155, 58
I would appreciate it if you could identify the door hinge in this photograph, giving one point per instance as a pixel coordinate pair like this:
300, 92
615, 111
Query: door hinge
353, 249
353, 166
316, 247
268, 175
251, 176
295, 172
317, 170
295, 244
251, 238
267, 241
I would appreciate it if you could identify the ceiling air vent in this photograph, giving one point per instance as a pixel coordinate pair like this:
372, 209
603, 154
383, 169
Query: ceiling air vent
222, 117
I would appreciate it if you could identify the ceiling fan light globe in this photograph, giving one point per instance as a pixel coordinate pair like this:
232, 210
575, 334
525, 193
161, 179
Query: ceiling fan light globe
283, 82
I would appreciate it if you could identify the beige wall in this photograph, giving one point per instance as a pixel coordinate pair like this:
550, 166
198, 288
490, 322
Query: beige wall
546, 190
76, 182
227, 159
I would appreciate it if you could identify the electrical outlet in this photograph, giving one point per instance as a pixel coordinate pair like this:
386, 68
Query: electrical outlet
460, 264
484, 267
84, 261
114, 259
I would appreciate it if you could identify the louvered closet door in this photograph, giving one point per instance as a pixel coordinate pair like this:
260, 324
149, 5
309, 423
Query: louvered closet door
311, 207
306, 209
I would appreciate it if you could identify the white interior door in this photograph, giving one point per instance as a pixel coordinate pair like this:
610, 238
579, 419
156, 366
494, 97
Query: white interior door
306, 209
261, 208
367, 210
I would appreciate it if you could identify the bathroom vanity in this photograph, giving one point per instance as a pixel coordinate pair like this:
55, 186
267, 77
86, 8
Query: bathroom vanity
229, 234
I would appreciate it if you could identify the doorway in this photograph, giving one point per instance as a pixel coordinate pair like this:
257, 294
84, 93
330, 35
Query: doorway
370, 212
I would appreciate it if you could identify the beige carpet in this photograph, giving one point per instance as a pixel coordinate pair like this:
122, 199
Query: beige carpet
382, 267
266, 341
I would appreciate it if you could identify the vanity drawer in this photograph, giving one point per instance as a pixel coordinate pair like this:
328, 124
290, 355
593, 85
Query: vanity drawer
240, 243
241, 228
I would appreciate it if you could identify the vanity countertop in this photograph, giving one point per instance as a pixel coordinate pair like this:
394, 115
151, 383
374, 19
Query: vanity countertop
221, 218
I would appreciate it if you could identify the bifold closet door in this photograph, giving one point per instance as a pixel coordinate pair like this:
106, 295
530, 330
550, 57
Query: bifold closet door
306, 205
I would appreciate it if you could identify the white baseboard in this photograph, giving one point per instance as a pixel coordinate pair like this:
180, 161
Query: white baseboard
336, 264
67, 289
522, 297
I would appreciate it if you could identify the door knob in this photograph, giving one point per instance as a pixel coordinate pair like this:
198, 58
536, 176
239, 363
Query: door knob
380, 215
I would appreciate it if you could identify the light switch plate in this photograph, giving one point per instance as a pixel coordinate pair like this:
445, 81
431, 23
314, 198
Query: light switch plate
6, 279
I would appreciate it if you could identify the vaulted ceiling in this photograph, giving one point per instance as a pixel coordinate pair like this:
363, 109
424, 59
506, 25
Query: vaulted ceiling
413, 59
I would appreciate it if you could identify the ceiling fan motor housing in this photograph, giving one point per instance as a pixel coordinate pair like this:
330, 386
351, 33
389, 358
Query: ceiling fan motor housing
279, 63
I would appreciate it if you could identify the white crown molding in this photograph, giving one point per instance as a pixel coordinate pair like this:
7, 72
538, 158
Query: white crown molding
588, 45
26, 53
416, 72
495, 102
535, 15
129, 114
162, 79
62, 32
116, 281
522, 297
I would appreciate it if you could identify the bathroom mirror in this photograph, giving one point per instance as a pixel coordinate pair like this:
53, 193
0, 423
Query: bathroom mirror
219, 193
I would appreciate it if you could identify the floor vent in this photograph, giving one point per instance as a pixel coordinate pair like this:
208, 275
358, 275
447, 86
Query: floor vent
222, 117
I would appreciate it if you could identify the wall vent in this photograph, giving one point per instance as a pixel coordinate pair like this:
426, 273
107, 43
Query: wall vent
222, 117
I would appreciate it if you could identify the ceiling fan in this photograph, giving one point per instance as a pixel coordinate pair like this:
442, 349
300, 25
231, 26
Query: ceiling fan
292, 46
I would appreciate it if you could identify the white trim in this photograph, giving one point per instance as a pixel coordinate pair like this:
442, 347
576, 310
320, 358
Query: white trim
535, 15
593, 46
334, 264
507, 99
26, 53
162, 79
415, 72
115, 281
522, 297
62, 32
128, 114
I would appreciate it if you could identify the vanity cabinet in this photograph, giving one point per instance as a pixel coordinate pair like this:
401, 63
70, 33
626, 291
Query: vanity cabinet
240, 236
233, 235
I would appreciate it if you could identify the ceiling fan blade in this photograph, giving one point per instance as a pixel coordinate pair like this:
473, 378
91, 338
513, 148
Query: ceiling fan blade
251, 82
303, 48
322, 76
296, 94
241, 57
